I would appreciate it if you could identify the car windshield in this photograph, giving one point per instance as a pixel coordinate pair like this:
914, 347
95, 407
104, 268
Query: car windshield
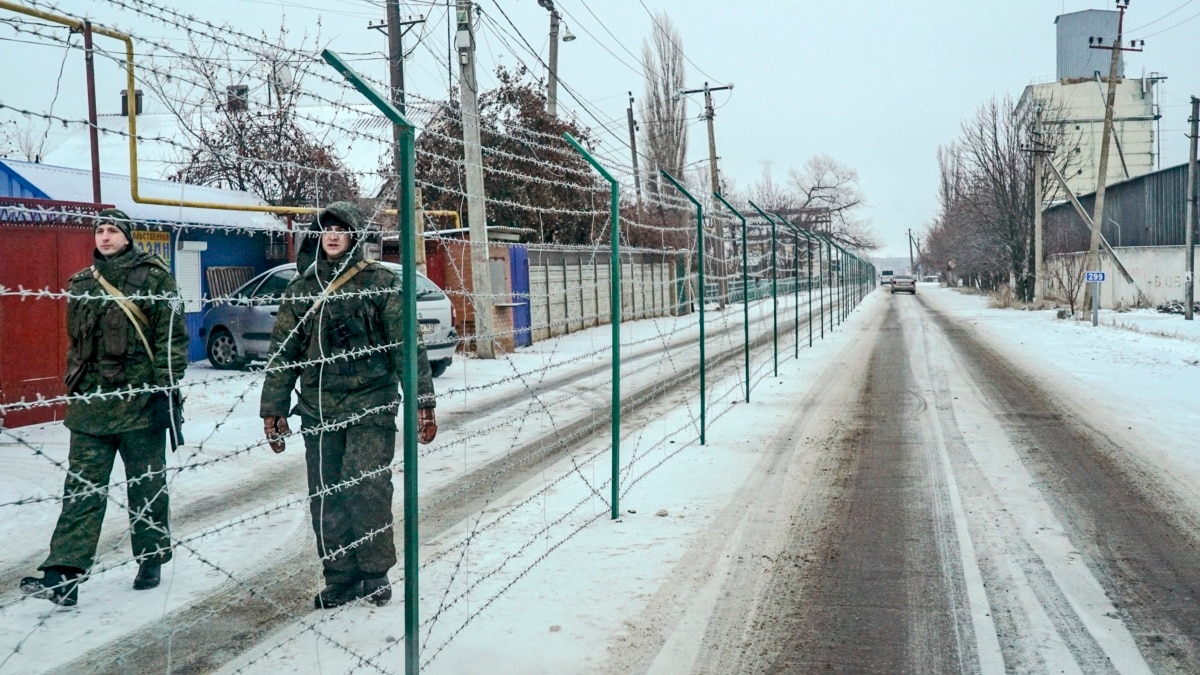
427, 290
271, 290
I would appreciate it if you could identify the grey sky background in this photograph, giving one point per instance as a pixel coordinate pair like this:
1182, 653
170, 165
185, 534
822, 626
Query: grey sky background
876, 85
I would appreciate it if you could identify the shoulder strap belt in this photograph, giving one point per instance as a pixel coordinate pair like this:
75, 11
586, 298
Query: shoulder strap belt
339, 282
131, 310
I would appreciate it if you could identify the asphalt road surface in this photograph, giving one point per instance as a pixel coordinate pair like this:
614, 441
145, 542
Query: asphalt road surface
933, 509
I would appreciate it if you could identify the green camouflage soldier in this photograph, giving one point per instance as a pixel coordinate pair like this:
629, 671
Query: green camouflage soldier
117, 340
347, 356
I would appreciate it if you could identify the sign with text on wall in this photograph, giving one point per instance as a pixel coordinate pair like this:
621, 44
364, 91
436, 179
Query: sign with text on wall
1093, 277
154, 241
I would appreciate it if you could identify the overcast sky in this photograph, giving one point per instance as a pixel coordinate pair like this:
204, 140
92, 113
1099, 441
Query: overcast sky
876, 85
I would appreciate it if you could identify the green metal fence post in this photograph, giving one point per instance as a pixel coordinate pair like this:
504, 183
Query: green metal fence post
808, 250
700, 271
796, 232
833, 298
745, 291
796, 279
837, 274
774, 295
796, 291
614, 305
774, 298
842, 283
408, 330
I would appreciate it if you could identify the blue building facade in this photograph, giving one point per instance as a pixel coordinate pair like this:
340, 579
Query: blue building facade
201, 245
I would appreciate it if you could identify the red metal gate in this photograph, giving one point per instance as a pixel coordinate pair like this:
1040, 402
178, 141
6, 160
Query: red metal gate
38, 254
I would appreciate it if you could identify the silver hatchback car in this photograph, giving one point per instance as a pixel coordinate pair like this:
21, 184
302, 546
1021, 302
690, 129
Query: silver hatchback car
237, 328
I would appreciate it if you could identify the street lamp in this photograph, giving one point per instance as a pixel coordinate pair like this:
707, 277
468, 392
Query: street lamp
552, 80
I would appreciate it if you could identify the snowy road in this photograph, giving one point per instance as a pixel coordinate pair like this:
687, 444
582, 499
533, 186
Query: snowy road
934, 487
957, 516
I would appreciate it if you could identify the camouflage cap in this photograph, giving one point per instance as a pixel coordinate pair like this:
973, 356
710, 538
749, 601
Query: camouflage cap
117, 218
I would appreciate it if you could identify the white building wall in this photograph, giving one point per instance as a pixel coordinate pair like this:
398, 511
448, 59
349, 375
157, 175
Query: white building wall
1077, 109
1159, 274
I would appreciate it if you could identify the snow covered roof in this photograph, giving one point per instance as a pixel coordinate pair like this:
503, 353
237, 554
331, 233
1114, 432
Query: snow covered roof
75, 185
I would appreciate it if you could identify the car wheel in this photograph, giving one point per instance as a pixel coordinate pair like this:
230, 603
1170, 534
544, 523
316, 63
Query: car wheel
223, 351
439, 367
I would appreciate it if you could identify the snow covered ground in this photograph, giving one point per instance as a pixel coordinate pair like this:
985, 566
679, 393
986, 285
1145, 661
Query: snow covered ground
542, 580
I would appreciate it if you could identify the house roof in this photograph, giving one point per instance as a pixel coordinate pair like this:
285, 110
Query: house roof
359, 134
75, 185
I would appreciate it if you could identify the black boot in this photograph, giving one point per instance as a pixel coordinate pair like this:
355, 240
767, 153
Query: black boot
59, 585
336, 595
148, 576
377, 590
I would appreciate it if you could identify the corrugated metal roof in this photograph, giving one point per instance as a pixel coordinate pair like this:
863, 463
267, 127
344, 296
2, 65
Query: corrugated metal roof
75, 185
359, 134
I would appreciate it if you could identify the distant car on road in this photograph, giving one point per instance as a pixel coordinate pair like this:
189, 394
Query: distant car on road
885, 277
904, 283
237, 328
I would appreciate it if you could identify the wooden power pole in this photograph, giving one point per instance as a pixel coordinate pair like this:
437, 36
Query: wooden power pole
1190, 213
715, 178
1093, 258
637, 180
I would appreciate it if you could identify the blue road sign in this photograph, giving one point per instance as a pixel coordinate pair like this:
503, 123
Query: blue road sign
1093, 277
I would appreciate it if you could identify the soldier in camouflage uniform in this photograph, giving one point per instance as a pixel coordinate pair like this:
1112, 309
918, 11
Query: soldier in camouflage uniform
107, 353
347, 356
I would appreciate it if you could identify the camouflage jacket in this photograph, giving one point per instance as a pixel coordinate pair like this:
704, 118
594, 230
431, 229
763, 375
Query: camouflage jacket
105, 352
348, 353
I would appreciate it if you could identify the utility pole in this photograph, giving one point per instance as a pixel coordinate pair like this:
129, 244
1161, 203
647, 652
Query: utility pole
481, 278
93, 135
637, 180
1190, 213
1093, 259
716, 184
552, 78
912, 266
396, 30
1039, 253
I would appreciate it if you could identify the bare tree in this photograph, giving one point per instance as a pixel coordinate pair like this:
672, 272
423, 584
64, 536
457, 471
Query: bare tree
23, 142
984, 227
238, 141
513, 121
8, 130
830, 187
664, 118
823, 195
1066, 277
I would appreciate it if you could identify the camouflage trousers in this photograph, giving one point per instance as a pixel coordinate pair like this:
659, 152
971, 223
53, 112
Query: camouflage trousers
85, 497
350, 488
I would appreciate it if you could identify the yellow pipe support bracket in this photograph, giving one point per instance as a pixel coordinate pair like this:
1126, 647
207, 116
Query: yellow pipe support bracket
131, 87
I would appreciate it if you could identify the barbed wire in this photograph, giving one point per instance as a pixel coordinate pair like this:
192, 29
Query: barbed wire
524, 405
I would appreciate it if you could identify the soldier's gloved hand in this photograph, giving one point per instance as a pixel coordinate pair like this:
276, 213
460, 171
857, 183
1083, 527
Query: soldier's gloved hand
426, 426
276, 428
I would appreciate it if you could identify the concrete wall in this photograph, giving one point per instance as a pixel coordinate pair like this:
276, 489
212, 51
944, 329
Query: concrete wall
1158, 273
570, 291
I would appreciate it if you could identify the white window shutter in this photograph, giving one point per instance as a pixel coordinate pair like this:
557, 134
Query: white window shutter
187, 277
